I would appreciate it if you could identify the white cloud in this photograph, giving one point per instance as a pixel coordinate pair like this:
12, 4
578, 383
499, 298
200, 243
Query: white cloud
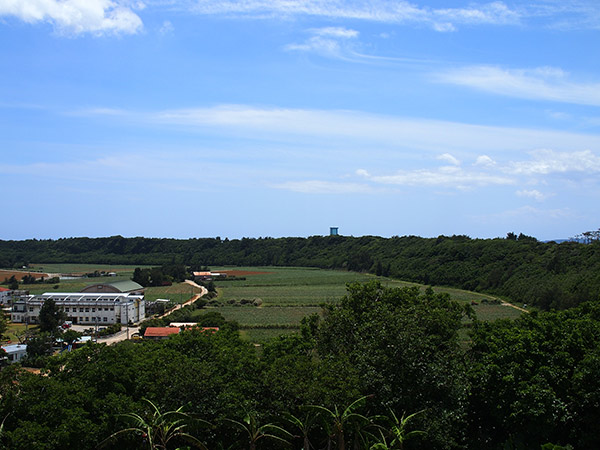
397, 132
453, 177
166, 27
444, 27
560, 14
97, 17
449, 159
358, 130
386, 11
490, 13
534, 193
542, 83
541, 163
546, 162
338, 32
318, 44
484, 160
324, 187
325, 41
529, 213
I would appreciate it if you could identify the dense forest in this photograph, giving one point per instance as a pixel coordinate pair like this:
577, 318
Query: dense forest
382, 369
550, 275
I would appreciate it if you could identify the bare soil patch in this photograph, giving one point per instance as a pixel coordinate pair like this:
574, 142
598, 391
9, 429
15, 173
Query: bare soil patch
19, 274
242, 273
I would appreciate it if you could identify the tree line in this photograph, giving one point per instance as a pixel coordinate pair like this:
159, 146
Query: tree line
547, 274
350, 379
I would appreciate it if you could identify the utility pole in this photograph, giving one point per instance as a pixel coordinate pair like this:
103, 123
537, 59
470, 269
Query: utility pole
96, 320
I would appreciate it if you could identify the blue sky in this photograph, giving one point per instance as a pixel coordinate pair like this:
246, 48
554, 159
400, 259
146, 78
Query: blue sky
191, 118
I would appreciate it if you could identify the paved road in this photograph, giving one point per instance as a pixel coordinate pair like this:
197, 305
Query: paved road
122, 335
118, 337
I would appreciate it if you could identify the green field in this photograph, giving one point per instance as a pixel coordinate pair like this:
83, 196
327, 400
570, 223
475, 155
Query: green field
14, 330
290, 293
287, 294
262, 336
83, 268
310, 287
250, 316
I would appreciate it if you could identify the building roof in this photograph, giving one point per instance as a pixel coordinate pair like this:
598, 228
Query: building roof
160, 331
126, 285
84, 297
4, 289
14, 348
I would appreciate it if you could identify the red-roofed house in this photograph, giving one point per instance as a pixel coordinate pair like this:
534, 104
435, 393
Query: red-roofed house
202, 276
158, 333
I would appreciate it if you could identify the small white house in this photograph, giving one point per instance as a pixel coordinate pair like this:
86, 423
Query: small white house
5, 296
15, 352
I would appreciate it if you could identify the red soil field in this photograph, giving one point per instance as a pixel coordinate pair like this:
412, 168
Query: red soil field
20, 274
241, 273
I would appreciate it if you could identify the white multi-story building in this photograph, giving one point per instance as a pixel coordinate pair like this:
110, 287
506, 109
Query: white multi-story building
83, 308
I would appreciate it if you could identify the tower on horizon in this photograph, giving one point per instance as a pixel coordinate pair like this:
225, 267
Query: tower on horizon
333, 231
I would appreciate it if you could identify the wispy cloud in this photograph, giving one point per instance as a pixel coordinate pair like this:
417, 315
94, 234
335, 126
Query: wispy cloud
449, 159
541, 163
446, 176
528, 212
172, 171
411, 134
546, 162
385, 11
542, 83
538, 168
533, 193
97, 17
560, 14
325, 41
166, 28
101, 17
578, 14
325, 187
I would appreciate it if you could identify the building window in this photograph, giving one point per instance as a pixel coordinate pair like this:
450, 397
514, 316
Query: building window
105, 319
31, 309
66, 309
87, 309
93, 309
80, 309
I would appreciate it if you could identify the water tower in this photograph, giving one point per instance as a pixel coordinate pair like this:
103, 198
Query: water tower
333, 231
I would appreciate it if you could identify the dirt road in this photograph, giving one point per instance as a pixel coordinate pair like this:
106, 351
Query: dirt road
514, 306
